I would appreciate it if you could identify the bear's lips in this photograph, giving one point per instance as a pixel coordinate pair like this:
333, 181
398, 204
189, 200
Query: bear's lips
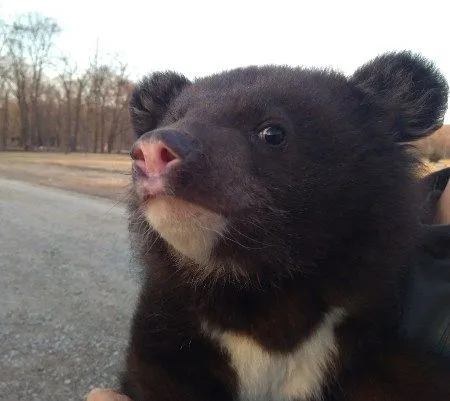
148, 184
188, 228
151, 187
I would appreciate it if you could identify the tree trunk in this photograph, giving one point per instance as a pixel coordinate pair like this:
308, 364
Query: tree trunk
5, 123
102, 128
36, 138
69, 144
87, 129
37, 125
113, 130
24, 126
95, 116
111, 141
77, 117
60, 127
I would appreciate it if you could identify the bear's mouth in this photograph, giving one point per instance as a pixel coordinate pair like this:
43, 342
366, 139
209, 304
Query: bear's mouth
149, 188
190, 229
149, 185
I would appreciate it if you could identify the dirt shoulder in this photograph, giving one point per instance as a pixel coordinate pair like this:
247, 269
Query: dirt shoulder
106, 176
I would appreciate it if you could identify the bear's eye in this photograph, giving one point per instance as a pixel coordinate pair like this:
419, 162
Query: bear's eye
272, 135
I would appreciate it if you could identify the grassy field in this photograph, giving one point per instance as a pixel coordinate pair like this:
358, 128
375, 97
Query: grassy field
84, 161
102, 175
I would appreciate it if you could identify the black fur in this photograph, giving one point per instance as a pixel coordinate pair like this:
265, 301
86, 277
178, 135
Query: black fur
410, 91
150, 103
326, 219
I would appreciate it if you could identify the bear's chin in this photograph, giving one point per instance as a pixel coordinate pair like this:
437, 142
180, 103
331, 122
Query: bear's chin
188, 228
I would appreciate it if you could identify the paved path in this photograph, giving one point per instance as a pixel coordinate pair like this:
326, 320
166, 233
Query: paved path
66, 292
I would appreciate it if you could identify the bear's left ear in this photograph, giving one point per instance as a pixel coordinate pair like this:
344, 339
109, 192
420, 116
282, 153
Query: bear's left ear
152, 97
409, 93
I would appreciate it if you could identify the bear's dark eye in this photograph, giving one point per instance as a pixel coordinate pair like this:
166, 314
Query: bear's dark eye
272, 135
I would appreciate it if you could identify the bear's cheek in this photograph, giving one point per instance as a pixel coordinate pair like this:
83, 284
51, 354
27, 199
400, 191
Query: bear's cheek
189, 229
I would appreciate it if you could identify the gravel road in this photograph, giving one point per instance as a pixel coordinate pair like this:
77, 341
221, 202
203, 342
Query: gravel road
66, 292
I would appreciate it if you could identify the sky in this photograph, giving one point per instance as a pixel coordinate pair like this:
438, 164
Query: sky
197, 37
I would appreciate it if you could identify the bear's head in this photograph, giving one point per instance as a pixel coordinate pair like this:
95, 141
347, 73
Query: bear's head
262, 173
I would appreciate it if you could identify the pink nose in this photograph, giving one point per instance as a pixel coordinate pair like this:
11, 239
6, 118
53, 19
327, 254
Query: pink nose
153, 157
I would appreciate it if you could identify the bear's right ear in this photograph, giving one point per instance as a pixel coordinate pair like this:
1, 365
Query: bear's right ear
151, 98
409, 92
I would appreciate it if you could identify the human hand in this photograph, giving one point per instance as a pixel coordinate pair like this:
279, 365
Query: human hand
443, 207
104, 394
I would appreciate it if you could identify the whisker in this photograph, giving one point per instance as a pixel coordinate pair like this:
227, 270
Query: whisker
252, 239
121, 199
221, 234
251, 221
147, 252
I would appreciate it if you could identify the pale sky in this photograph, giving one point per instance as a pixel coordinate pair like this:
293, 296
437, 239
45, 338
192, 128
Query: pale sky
201, 37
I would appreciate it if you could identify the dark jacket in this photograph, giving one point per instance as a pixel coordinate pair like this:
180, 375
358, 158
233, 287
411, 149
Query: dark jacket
426, 318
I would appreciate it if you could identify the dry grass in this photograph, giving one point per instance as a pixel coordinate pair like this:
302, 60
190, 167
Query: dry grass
85, 161
93, 174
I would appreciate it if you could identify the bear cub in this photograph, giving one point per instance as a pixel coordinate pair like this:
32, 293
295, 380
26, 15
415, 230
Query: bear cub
273, 210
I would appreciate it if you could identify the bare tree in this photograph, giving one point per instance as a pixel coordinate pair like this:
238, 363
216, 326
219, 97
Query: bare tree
3, 37
4, 86
80, 88
51, 107
104, 75
30, 41
5, 118
41, 32
20, 80
68, 84
121, 94
84, 109
97, 79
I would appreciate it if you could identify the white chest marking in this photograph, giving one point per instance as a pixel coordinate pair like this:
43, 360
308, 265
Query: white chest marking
269, 376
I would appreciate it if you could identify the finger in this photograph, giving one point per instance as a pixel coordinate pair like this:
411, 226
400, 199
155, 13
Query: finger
104, 394
443, 207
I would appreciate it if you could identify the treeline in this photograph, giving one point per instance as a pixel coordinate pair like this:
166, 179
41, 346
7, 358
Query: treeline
77, 110
74, 110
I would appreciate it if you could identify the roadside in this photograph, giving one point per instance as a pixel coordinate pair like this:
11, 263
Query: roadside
106, 176
68, 292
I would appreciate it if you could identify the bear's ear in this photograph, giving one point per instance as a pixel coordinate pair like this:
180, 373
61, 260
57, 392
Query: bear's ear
408, 92
151, 98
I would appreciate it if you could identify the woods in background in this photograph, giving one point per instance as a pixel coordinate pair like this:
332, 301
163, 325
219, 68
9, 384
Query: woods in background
78, 110
74, 110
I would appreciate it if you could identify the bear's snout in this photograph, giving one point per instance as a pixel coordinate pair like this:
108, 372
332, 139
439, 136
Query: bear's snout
155, 152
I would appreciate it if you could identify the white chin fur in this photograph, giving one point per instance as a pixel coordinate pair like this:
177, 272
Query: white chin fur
188, 228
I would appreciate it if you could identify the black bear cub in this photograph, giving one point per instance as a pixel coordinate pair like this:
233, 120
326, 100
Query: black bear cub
273, 210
